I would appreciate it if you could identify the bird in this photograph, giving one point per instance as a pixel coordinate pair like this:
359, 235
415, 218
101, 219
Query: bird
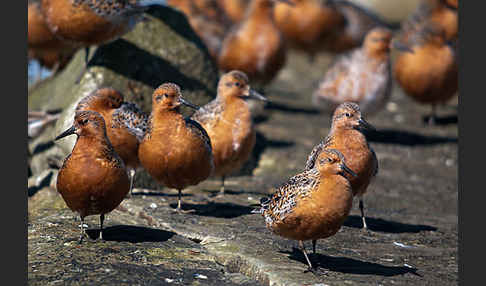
255, 45
426, 66
227, 120
441, 13
93, 22
362, 75
207, 20
348, 135
306, 22
313, 204
126, 124
93, 179
351, 32
50, 51
176, 151
234, 9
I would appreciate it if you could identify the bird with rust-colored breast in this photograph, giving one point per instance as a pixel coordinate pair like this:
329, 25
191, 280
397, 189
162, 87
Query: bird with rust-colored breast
362, 76
93, 179
313, 204
427, 67
93, 22
347, 135
255, 46
125, 122
51, 52
306, 22
234, 9
228, 122
176, 151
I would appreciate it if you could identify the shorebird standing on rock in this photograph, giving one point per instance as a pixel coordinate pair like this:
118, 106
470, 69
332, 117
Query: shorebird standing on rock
362, 76
229, 124
346, 135
313, 204
175, 151
93, 179
125, 122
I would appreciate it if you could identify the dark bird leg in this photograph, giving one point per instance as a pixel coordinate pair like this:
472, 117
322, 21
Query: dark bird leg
361, 208
433, 116
102, 219
179, 204
314, 243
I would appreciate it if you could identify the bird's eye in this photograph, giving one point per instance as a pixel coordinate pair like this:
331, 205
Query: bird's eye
348, 114
84, 121
237, 84
165, 95
329, 160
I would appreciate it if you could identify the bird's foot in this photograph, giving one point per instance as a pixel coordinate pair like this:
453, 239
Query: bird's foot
316, 271
181, 211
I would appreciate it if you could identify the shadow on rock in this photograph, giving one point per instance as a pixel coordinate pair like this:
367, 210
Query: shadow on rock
219, 210
160, 193
286, 108
442, 120
381, 225
146, 67
350, 265
261, 144
406, 138
132, 234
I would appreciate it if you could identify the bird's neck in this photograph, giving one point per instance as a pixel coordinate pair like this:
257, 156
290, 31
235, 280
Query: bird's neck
164, 121
259, 10
92, 146
347, 136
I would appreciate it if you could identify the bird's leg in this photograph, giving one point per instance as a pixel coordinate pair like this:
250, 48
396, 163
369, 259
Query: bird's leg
302, 247
83, 233
433, 116
179, 201
179, 209
85, 67
361, 208
221, 190
102, 219
314, 243
131, 173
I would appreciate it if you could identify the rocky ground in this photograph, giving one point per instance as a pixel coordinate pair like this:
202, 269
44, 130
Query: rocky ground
411, 208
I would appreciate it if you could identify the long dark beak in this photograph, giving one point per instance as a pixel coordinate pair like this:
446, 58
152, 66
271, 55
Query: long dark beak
70, 131
255, 95
347, 170
363, 125
187, 103
401, 47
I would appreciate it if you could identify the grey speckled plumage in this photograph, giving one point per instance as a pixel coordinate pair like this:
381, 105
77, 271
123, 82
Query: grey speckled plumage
284, 200
209, 111
371, 82
111, 8
133, 118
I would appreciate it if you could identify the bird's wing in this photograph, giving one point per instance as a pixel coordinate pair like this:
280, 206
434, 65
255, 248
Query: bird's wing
133, 118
